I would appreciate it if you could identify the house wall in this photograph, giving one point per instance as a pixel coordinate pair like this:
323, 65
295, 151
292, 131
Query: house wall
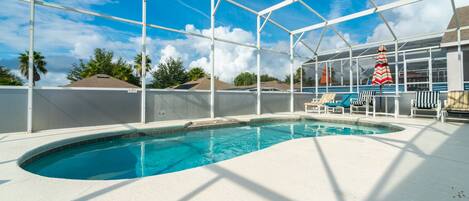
466, 64
455, 80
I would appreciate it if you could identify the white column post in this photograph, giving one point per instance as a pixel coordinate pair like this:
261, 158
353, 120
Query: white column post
396, 70
31, 66
430, 70
358, 75
405, 71
316, 81
350, 70
258, 65
341, 73
212, 63
460, 56
396, 66
292, 88
144, 62
301, 78
327, 75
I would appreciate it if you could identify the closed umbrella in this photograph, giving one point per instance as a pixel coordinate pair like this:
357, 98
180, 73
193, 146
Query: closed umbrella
382, 74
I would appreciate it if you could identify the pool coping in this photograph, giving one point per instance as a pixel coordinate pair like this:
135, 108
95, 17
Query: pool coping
54, 146
16, 145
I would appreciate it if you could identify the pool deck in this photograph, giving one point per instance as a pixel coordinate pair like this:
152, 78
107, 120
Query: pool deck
427, 161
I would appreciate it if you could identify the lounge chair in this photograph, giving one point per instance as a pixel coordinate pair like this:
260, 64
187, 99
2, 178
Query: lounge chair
457, 102
363, 98
339, 106
426, 101
318, 104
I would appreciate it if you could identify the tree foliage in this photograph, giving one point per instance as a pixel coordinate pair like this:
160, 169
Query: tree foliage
297, 77
170, 73
268, 78
102, 62
196, 73
138, 64
39, 65
8, 78
245, 78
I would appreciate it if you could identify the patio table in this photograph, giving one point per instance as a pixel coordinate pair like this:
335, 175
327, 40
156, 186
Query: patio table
386, 97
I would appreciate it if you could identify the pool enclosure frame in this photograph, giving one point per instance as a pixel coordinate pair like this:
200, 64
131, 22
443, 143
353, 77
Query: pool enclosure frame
263, 16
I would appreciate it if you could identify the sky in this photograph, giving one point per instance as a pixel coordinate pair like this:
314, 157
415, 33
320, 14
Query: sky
64, 38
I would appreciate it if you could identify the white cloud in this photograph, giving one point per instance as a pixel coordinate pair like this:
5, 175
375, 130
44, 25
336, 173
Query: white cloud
84, 3
169, 51
53, 79
338, 7
60, 34
416, 19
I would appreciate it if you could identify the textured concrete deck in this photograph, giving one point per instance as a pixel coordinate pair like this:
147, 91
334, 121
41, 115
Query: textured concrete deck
427, 161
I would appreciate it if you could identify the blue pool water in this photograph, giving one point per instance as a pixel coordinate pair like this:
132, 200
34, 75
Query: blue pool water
131, 157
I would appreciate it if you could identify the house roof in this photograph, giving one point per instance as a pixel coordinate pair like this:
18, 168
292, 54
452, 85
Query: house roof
280, 86
204, 84
101, 80
451, 38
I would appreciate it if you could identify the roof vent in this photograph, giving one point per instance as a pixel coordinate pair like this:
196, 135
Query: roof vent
103, 76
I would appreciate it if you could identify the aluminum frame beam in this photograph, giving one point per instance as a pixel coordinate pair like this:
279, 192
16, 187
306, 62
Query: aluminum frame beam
325, 20
320, 38
144, 62
32, 7
356, 15
265, 22
385, 42
258, 64
216, 7
114, 18
82, 11
256, 13
384, 20
277, 6
212, 60
292, 78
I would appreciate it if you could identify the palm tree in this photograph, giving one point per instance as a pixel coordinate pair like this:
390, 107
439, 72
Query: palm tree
196, 73
39, 65
8, 78
138, 64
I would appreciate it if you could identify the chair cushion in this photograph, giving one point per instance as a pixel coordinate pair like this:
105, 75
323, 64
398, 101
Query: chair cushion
332, 104
363, 97
426, 99
357, 103
458, 100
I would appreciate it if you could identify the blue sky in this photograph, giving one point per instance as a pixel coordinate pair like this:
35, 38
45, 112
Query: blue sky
66, 37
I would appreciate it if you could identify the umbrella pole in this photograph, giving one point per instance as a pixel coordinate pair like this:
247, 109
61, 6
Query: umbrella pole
381, 93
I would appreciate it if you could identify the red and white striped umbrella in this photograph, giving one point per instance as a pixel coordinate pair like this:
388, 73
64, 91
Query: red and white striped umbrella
382, 74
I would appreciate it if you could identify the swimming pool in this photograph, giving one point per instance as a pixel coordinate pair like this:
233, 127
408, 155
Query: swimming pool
139, 155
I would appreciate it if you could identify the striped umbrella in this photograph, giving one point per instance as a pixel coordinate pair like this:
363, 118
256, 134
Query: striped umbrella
382, 74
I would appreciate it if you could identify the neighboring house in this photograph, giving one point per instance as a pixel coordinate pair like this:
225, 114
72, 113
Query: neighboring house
268, 86
450, 42
102, 81
204, 84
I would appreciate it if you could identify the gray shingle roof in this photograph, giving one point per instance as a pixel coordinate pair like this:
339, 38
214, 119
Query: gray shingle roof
101, 80
204, 84
450, 38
